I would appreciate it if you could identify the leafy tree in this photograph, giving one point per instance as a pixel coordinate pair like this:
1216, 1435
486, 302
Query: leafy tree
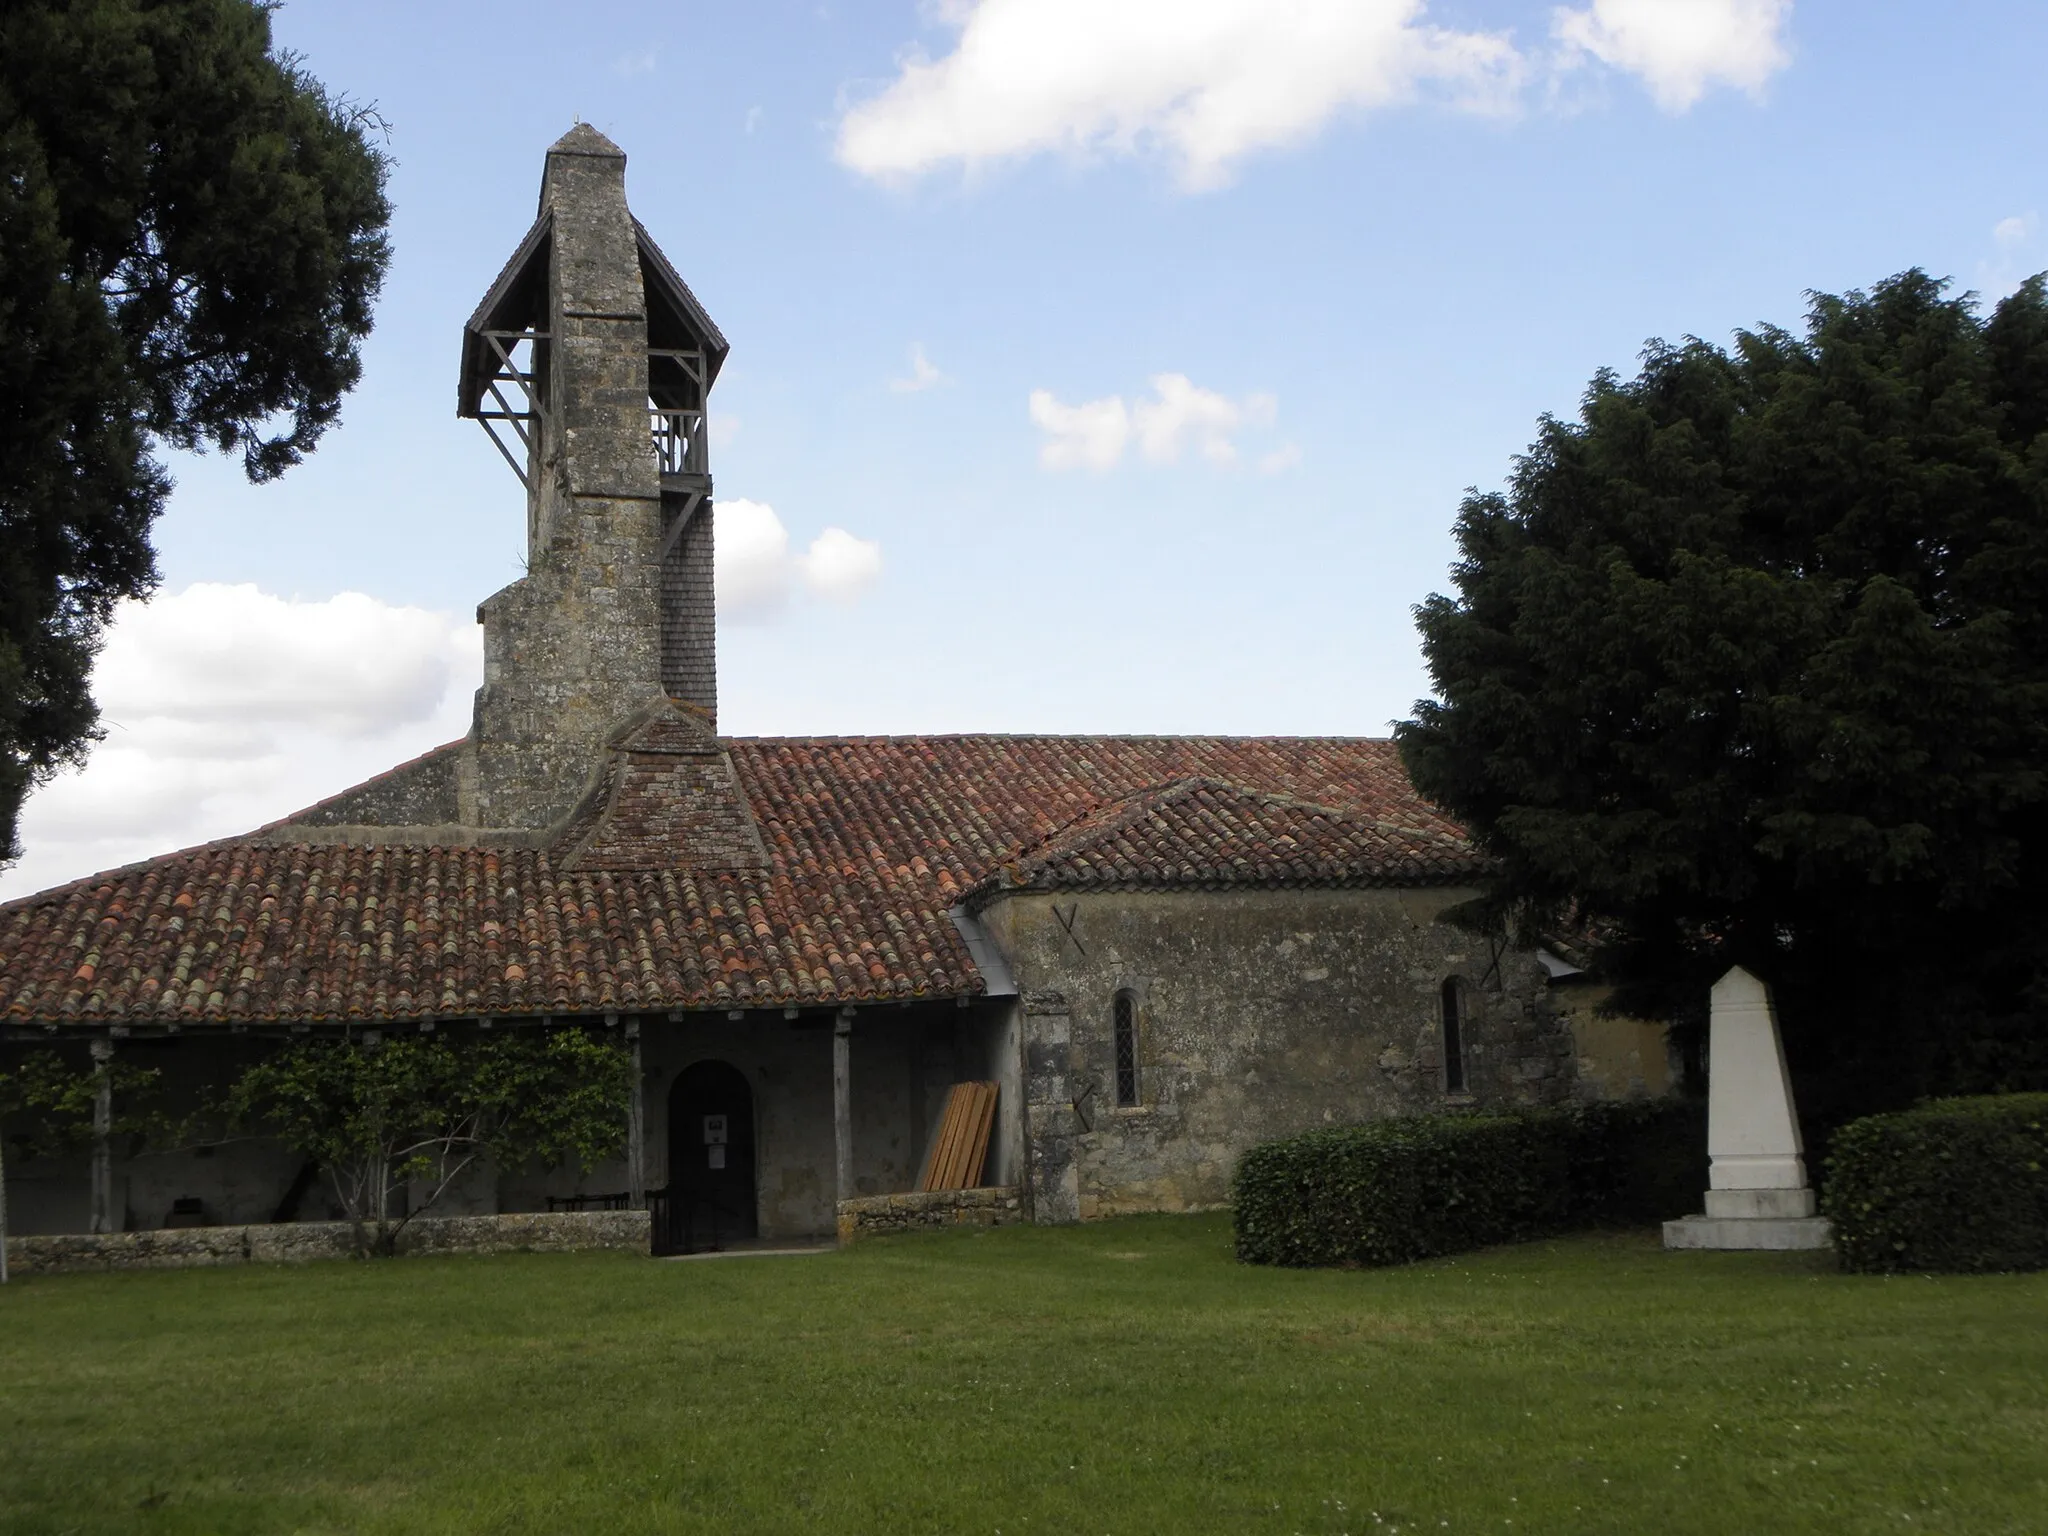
191, 236
1749, 663
46, 1103
419, 1110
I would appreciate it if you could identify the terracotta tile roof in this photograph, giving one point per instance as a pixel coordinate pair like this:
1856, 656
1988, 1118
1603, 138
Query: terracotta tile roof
869, 842
1206, 834
670, 801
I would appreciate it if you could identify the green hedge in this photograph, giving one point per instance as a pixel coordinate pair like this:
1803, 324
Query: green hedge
1954, 1185
1411, 1188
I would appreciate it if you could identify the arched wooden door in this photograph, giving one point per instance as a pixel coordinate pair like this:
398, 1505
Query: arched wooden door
712, 1193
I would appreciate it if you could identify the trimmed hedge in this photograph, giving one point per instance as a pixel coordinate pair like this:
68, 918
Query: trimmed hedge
1954, 1185
1411, 1188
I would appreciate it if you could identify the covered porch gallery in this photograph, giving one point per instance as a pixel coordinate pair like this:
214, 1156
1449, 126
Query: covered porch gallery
816, 1107
806, 1107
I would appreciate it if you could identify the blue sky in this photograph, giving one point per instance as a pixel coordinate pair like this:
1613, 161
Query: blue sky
1221, 305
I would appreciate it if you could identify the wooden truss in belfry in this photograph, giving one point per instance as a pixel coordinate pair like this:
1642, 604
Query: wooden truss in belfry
506, 353
515, 353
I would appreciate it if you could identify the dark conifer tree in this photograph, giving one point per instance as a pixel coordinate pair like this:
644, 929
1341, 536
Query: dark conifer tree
191, 237
1749, 664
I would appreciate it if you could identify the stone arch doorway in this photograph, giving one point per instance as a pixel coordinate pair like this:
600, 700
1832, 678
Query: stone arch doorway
711, 1185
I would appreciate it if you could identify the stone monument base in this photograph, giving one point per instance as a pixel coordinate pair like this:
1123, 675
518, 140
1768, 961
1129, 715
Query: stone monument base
1752, 1218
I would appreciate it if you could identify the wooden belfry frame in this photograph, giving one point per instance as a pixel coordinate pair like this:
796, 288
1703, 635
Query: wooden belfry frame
679, 426
504, 344
685, 350
678, 401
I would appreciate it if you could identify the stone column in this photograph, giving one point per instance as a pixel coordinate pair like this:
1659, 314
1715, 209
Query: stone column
842, 1103
636, 1126
102, 1133
1757, 1194
1050, 1124
3, 1208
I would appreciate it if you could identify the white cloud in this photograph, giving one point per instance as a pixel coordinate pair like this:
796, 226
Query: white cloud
1205, 81
724, 428
753, 119
923, 375
840, 566
226, 707
1088, 436
350, 666
641, 61
2007, 268
1680, 49
755, 572
750, 554
1179, 414
1287, 456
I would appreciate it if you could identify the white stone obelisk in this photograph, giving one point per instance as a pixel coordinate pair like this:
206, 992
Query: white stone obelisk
1757, 1194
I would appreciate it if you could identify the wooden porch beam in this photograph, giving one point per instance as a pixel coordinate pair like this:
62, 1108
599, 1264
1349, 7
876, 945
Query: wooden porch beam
102, 1135
842, 1101
636, 1126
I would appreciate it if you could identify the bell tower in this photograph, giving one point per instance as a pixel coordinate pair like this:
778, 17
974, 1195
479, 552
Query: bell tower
590, 363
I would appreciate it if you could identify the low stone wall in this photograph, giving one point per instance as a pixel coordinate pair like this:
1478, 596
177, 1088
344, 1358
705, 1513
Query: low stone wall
297, 1242
937, 1208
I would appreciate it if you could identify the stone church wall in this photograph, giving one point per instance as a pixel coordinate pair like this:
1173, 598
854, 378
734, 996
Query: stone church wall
1259, 1014
1619, 1057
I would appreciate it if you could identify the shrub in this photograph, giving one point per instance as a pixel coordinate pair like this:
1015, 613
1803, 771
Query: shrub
1953, 1185
1636, 1163
1411, 1188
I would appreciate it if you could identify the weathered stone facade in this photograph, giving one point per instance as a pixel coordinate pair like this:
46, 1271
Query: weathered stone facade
1259, 1014
931, 1210
429, 791
302, 1242
573, 648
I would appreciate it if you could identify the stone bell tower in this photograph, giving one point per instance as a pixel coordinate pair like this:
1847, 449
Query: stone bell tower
590, 363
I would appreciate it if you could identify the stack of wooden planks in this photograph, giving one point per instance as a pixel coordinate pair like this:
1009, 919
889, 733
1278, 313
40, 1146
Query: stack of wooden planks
959, 1149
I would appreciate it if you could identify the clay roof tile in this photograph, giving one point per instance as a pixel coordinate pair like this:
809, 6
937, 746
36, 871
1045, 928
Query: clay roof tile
864, 845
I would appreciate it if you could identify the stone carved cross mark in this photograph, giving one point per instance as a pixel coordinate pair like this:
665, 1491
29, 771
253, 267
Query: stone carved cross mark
1066, 920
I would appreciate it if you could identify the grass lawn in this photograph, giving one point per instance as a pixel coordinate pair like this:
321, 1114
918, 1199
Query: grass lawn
1125, 1376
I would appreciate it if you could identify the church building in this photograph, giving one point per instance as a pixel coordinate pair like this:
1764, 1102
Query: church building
1159, 950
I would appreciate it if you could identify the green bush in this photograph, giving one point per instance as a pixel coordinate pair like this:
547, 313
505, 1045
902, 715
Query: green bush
1633, 1164
1953, 1185
1411, 1188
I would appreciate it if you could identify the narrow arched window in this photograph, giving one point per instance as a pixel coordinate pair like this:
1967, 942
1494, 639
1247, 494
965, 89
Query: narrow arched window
1125, 1018
1454, 1035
